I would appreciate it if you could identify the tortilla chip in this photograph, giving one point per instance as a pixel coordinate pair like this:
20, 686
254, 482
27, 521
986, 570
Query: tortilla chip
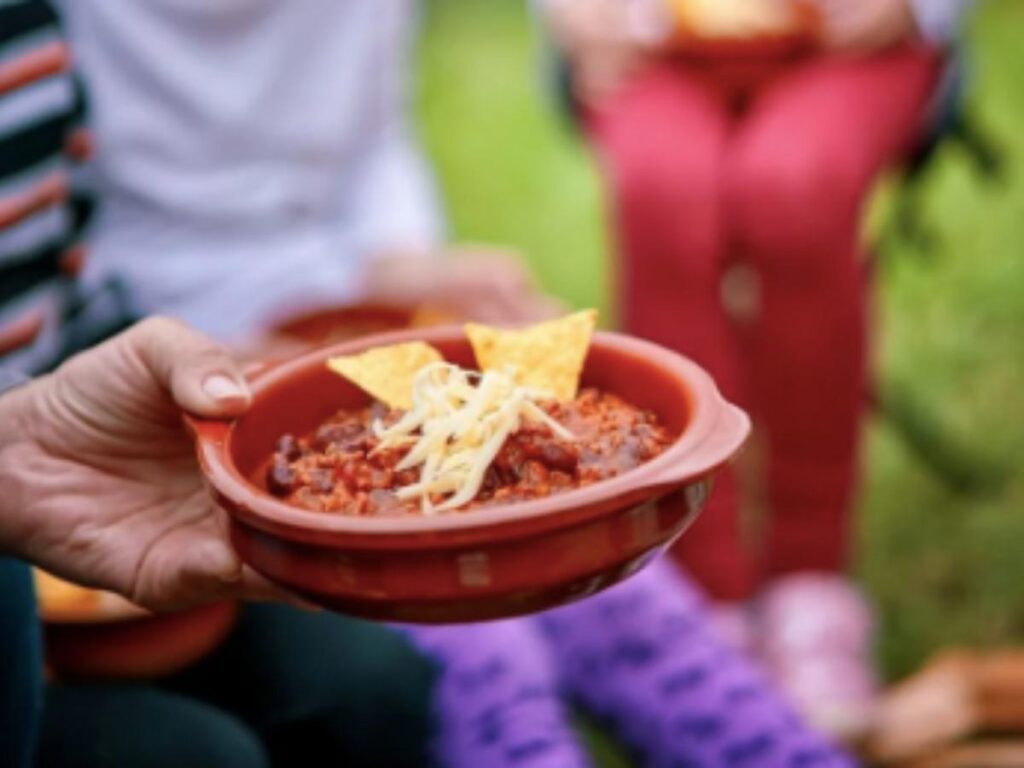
547, 356
386, 373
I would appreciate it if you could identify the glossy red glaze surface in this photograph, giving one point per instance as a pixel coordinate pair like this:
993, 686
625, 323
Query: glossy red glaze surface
136, 646
488, 563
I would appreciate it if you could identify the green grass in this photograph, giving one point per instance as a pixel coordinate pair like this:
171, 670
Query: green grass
945, 569
511, 172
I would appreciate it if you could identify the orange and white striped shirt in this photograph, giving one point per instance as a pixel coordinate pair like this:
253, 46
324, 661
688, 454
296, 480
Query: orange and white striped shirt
39, 121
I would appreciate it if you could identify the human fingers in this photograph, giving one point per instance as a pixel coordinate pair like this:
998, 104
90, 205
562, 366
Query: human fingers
201, 375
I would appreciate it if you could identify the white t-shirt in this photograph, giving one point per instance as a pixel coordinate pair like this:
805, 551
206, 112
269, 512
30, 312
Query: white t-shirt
250, 154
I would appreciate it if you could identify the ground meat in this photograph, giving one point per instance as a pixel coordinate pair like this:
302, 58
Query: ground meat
337, 470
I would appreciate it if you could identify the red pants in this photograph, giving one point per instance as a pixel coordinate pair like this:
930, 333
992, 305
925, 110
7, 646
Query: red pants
701, 183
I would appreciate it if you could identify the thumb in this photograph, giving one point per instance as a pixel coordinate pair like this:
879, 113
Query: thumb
200, 374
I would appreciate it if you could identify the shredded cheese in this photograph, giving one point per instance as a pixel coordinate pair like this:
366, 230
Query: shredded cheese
456, 426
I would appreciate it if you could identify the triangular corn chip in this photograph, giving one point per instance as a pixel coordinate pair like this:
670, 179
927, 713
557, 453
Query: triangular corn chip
548, 356
386, 373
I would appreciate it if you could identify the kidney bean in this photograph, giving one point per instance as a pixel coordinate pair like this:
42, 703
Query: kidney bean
280, 477
288, 447
558, 456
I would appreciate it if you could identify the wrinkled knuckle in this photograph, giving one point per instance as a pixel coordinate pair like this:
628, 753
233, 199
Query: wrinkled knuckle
209, 358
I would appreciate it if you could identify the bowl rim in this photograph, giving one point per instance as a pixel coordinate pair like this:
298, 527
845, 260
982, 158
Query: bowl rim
681, 462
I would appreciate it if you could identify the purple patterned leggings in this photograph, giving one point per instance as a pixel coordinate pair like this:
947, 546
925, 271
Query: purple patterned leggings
641, 657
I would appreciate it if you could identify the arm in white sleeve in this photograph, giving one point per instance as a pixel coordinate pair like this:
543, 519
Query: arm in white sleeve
396, 207
939, 20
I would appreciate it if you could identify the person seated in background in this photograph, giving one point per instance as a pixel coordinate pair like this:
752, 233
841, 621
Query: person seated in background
282, 695
737, 185
255, 160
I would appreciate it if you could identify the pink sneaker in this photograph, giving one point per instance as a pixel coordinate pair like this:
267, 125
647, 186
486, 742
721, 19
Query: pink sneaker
816, 633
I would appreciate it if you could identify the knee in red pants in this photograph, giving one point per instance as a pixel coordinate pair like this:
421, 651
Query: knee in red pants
667, 190
793, 201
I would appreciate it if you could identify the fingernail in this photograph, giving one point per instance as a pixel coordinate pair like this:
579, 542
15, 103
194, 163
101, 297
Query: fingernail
221, 387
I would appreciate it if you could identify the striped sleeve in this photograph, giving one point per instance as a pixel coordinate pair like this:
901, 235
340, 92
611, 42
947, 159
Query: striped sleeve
38, 105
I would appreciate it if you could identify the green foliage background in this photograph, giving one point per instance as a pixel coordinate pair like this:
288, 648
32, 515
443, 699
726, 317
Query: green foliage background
944, 568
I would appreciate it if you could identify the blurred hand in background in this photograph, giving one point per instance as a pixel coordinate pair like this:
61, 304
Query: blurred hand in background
864, 26
486, 284
605, 41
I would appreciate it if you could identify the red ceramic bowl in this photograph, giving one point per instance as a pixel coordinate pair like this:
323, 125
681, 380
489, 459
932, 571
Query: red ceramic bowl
337, 324
132, 644
488, 563
781, 46
99, 635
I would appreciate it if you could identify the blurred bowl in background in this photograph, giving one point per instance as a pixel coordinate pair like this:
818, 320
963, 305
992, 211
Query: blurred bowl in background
91, 634
742, 28
337, 324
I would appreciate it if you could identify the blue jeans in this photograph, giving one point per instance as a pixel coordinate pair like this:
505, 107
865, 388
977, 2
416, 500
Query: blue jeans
286, 688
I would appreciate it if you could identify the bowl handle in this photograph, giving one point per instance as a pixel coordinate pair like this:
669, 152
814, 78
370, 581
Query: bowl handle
213, 431
721, 444
216, 430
